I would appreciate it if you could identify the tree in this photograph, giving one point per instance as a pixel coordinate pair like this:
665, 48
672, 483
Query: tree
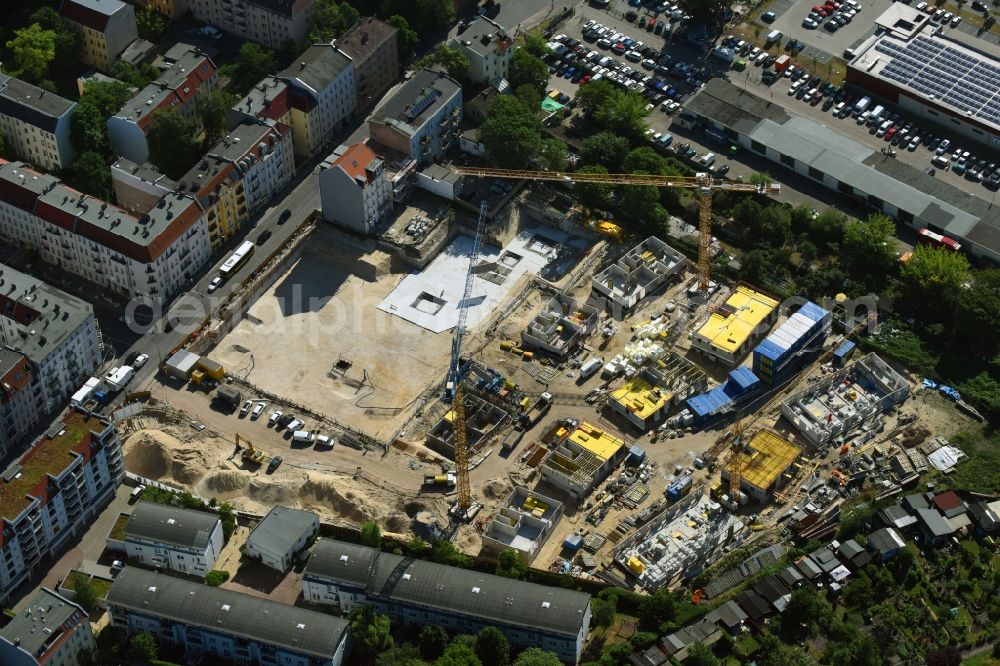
444, 552
433, 641
330, 19
83, 591
537, 657
370, 634
416, 546
641, 203
869, 246
227, 513
142, 647
605, 149
90, 174
216, 577
949, 656
511, 133
371, 534
255, 62
454, 61
978, 310
706, 11
150, 23
88, 125
644, 159
828, 227
492, 647
933, 277
401, 655
510, 564
423, 15
67, 37
138, 77
700, 655
406, 37
594, 196
659, 607
624, 114
603, 611
34, 49
530, 95
173, 142
552, 154
212, 108
458, 654
527, 69
593, 96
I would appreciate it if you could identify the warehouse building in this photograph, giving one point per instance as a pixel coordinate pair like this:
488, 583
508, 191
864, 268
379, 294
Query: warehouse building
524, 523
844, 400
944, 78
766, 465
847, 167
416, 592
637, 275
582, 460
731, 328
773, 358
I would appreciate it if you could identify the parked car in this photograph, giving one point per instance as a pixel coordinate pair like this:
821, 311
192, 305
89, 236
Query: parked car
274, 417
768, 17
257, 410
214, 284
245, 409
274, 464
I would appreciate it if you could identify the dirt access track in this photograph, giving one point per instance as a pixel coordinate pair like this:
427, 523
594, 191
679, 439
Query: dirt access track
318, 337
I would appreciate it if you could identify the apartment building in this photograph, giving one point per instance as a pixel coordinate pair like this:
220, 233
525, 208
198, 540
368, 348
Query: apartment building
150, 256
489, 49
52, 492
268, 100
21, 401
106, 27
55, 330
35, 124
354, 190
321, 95
416, 592
139, 187
281, 534
373, 46
239, 175
50, 631
268, 22
182, 540
209, 624
421, 119
188, 74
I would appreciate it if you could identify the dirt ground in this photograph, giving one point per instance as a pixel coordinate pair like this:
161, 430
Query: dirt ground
321, 315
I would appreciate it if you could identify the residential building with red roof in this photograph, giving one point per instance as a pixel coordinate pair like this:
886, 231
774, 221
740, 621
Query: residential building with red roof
188, 74
106, 27
359, 183
268, 100
52, 493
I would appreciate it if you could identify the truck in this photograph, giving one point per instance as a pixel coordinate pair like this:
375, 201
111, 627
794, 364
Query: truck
119, 378
86, 392
512, 438
446, 480
228, 397
781, 64
535, 412
861, 106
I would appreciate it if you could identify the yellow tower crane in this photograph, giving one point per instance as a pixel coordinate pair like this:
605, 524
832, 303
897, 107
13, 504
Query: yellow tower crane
703, 182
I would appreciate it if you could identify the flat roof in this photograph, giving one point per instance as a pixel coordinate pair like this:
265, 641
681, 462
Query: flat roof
187, 69
281, 528
367, 36
734, 107
417, 100
41, 623
483, 37
729, 326
597, 441
771, 457
50, 455
227, 612
31, 104
641, 398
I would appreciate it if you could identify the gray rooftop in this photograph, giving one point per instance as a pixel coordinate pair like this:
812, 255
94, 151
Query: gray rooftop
734, 107
281, 528
483, 36
227, 612
146, 172
40, 623
367, 35
178, 63
31, 104
490, 598
260, 97
885, 540
418, 99
185, 528
318, 66
44, 316
934, 522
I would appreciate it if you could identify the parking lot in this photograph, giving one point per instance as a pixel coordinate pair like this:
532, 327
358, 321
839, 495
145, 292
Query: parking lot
789, 22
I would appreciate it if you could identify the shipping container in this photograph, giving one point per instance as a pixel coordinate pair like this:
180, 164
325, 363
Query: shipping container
679, 488
805, 328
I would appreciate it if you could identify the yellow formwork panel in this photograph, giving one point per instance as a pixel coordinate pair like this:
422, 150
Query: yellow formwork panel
597, 441
769, 457
749, 310
641, 398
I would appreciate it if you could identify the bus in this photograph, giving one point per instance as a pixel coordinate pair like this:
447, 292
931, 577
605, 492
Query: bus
238, 258
928, 237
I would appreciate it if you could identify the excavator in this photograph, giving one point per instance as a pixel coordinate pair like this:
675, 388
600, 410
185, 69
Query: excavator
250, 454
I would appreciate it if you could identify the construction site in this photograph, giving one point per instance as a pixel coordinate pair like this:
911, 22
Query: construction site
603, 408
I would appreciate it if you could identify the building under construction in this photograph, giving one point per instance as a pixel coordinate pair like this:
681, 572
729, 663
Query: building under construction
765, 465
637, 275
731, 329
582, 460
646, 399
524, 523
482, 420
560, 327
682, 541
830, 410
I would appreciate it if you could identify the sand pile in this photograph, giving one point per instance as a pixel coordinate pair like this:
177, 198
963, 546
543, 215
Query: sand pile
226, 481
352, 505
497, 489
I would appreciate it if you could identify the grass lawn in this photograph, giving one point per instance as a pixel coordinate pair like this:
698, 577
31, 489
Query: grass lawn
981, 660
118, 531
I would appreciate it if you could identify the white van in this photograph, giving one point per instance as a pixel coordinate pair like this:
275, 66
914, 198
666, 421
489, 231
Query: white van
774, 36
325, 441
591, 366
707, 160
136, 493
303, 437
875, 114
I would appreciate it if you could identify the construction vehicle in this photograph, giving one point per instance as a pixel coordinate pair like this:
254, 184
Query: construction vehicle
446, 480
705, 183
533, 414
250, 454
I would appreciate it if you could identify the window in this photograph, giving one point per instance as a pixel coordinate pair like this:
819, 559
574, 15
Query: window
815, 173
788, 160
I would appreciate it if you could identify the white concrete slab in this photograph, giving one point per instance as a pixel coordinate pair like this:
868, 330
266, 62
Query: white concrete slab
430, 299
